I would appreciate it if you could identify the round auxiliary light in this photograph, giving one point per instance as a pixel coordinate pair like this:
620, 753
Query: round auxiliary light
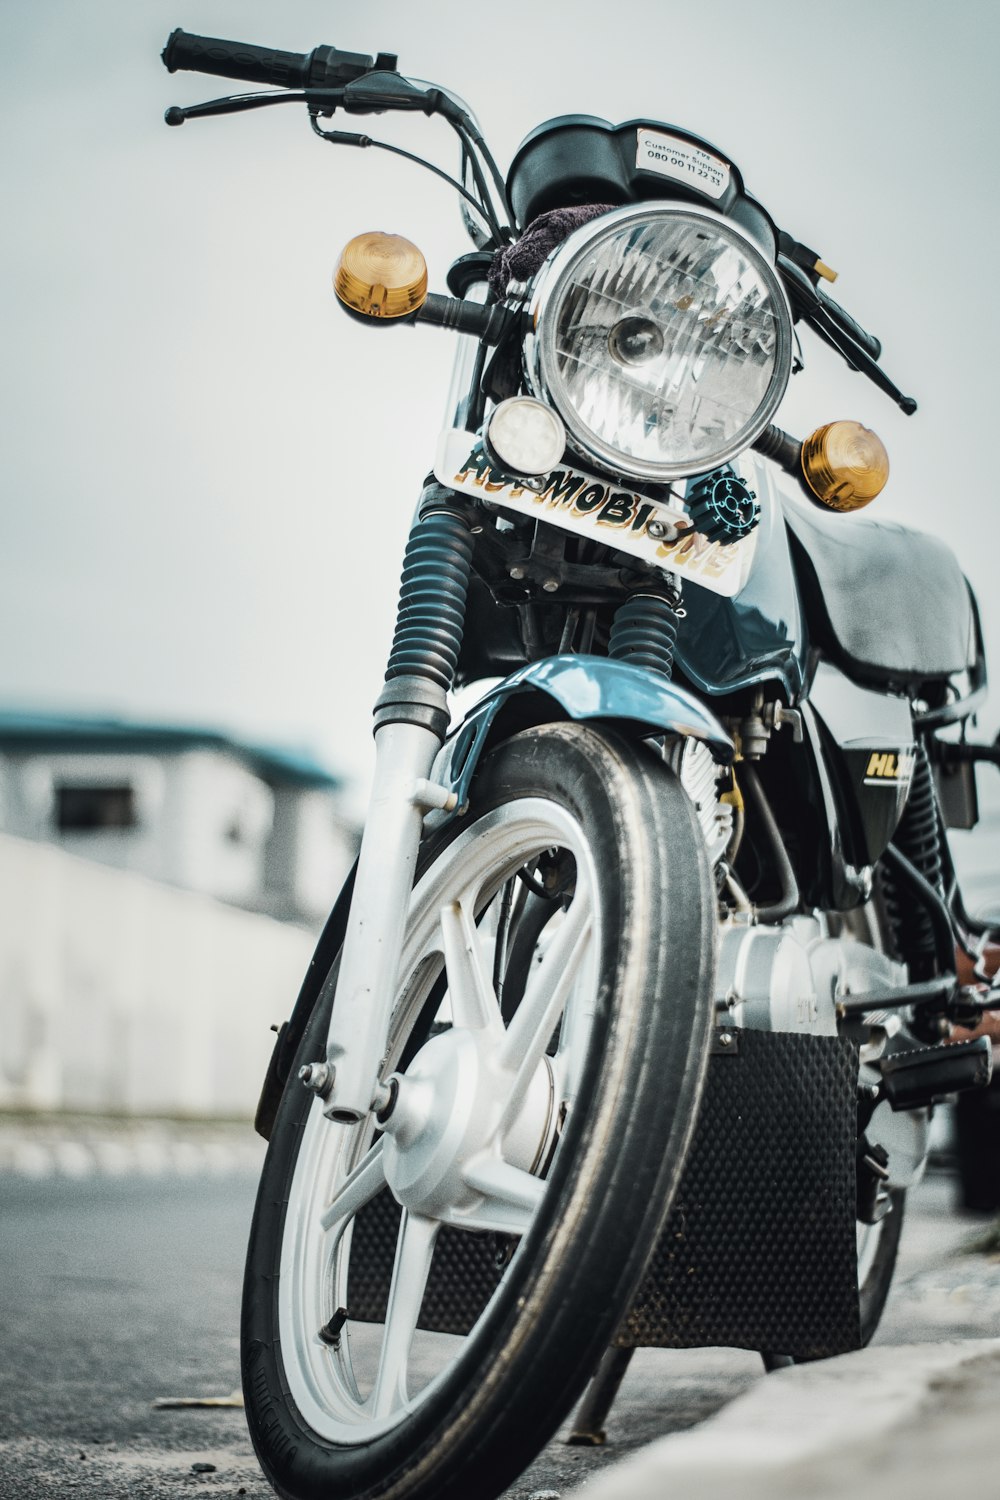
525, 436
662, 336
845, 465
381, 276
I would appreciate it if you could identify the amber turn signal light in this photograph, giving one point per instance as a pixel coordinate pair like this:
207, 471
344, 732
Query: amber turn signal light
845, 465
381, 276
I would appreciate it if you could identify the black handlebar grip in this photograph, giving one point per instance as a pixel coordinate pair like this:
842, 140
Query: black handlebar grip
206, 54
867, 341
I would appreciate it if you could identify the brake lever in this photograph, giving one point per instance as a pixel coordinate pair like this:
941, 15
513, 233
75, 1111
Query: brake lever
235, 104
817, 311
372, 94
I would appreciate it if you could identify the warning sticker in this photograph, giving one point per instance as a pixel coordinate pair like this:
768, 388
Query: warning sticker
671, 156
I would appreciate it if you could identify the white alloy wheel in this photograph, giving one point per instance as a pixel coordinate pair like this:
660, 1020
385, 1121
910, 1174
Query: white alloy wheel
545, 1057
475, 1119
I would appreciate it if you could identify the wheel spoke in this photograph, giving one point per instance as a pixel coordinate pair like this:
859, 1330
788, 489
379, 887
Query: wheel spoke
357, 1189
414, 1250
473, 998
510, 1195
577, 1021
545, 995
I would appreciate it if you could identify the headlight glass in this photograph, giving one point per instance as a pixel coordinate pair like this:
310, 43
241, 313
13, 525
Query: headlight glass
662, 336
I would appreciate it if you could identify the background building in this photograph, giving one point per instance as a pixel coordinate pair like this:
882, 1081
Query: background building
252, 825
143, 870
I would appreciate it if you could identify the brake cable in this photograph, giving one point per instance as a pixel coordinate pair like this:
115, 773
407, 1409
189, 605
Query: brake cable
352, 138
433, 101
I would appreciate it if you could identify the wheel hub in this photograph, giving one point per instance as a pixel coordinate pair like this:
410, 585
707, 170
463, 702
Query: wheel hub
448, 1112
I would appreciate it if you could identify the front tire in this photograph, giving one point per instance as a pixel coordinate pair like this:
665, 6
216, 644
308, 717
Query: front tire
587, 1066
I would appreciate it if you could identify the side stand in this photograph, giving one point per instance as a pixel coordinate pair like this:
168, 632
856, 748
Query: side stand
588, 1429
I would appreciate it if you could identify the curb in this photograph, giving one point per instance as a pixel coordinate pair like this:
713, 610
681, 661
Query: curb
790, 1433
86, 1148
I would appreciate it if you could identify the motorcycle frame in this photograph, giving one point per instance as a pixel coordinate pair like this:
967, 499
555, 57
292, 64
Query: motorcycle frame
812, 827
420, 778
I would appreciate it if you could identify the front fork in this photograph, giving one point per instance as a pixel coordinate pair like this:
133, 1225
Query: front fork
411, 721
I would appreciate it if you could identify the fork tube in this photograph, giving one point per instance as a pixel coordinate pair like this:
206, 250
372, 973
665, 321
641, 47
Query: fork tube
411, 720
461, 391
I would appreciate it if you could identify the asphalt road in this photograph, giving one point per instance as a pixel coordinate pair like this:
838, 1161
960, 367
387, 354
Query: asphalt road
118, 1291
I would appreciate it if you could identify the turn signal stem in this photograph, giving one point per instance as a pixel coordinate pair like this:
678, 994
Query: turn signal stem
487, 323
781, 448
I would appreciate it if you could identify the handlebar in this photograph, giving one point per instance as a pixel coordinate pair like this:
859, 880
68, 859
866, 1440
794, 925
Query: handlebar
867, 341
836, 327
327, 79
322, 68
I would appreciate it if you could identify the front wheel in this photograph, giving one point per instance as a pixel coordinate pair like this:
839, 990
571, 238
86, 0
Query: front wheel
549, 1042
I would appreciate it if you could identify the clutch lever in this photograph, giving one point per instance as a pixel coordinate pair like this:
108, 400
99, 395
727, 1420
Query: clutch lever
235, 104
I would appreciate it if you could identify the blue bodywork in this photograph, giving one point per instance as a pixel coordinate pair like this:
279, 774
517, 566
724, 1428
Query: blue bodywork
758, 636
724, 645
585, 688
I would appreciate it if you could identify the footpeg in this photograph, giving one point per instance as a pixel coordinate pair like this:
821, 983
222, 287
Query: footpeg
911, 1080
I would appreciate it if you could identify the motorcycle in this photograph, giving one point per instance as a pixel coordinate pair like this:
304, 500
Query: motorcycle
628, 1024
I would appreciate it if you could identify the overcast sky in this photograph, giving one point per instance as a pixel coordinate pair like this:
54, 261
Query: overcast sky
209, 470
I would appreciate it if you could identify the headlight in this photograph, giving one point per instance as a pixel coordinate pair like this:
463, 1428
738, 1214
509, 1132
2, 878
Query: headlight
662, 336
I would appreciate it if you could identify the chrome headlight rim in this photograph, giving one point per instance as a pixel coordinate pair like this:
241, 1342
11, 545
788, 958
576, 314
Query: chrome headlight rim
543, 380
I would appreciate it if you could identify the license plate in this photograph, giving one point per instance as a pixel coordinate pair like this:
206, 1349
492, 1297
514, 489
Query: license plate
603, 511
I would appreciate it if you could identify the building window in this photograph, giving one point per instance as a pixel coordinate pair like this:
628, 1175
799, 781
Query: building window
90, 809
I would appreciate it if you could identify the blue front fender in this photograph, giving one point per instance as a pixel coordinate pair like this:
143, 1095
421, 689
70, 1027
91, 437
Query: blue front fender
587, 688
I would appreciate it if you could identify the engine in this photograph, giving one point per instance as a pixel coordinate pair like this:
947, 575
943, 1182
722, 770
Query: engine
790, 977
782, 977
